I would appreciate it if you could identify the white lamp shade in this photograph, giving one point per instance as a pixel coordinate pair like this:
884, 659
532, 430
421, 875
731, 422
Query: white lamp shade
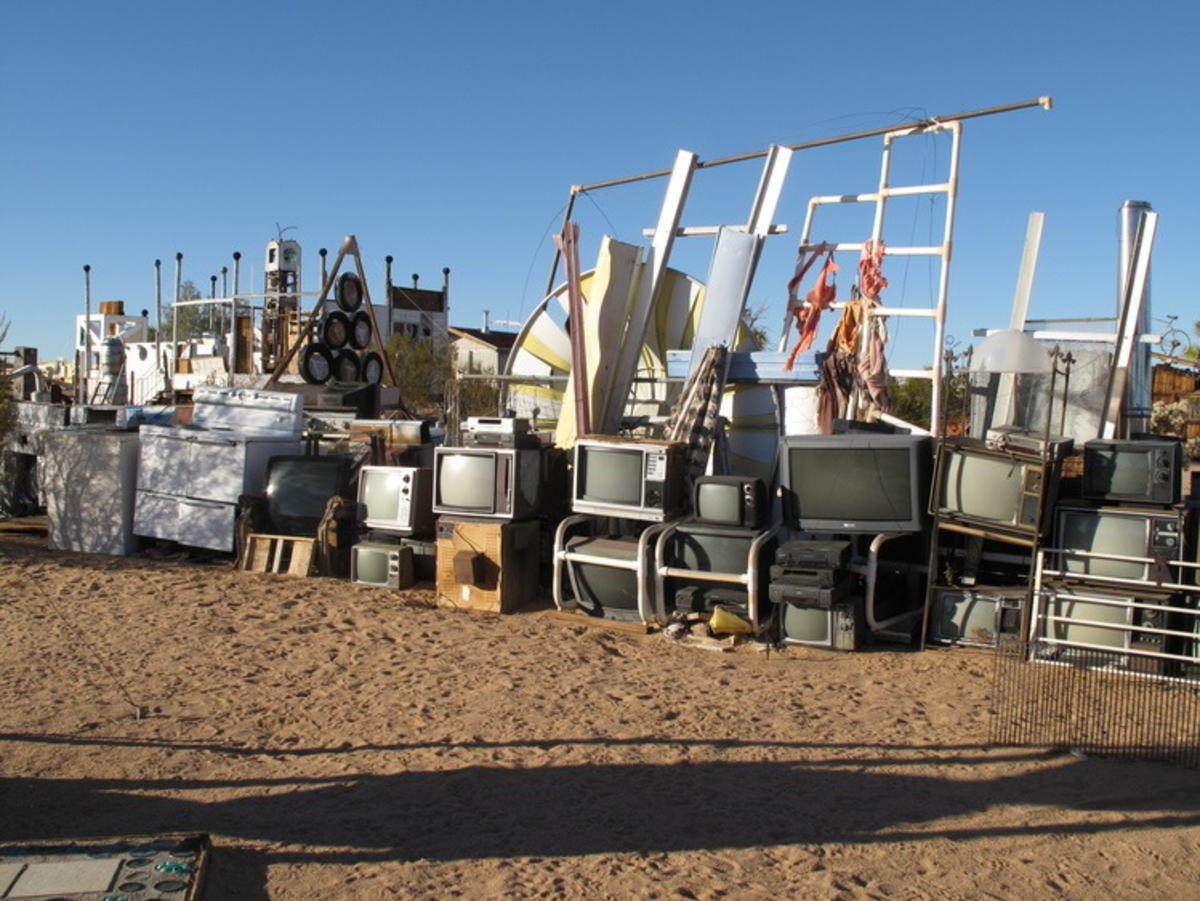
1010, 350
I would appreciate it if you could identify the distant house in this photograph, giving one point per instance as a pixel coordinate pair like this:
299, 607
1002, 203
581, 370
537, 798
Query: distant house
481, 350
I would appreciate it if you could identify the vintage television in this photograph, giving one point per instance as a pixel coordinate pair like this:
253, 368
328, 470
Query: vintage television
396, 499
1132, 472
631, 479
486, 482
300, 487
855, 482
838, 627
739, 501
976, 616
608, 591
991, 489
1089, 621
385, 565
1123, 531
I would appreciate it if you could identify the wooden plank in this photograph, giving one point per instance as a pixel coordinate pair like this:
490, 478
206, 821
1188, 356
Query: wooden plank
302, 556
567, 618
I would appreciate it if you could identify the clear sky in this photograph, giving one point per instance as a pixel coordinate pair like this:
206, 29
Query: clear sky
448, 134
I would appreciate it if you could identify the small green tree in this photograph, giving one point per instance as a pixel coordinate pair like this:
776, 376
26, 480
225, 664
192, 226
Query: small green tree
193, 321
422, 369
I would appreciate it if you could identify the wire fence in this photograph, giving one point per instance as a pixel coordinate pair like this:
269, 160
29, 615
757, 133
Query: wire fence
1104, 703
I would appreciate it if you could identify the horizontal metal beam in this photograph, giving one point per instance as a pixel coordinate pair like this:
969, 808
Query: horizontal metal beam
932, 123
708, 231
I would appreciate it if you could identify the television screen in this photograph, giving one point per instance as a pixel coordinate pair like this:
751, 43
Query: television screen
1113, 616
371, 565
612, 475
299, 488
807, 625
982, 487
1103, 533
380, 493
467, 481
1120, 472
719, 502
855, 484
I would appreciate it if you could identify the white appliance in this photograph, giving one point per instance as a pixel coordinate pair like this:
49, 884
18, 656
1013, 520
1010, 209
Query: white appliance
88, 477
190, 477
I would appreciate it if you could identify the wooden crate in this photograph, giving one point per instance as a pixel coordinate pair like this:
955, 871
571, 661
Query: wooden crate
507, 573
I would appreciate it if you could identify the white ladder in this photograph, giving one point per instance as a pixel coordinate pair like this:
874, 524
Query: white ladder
942, 251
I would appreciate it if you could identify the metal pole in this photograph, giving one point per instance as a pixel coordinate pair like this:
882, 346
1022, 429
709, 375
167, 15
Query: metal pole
237, 271
558, 250
387, 298
158, 318
87, 331
324, 272
175, 322
933, 121
224, 281
1136, 405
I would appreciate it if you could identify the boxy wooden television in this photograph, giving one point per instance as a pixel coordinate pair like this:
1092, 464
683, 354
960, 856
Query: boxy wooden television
628, 479
1007, 491
486, 482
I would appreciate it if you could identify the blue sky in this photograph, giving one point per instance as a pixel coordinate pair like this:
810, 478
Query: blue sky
448, 134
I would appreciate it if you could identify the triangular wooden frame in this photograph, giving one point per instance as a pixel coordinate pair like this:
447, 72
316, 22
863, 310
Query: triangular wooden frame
349, 248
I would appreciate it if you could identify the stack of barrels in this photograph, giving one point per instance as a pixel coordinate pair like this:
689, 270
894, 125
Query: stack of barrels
345, 334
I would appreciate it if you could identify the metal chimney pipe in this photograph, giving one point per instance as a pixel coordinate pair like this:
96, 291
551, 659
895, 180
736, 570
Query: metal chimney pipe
85, 382
224, 281
416, 278
158, 316
324, 272
175, 321
237, 272
485, 321
1137, 403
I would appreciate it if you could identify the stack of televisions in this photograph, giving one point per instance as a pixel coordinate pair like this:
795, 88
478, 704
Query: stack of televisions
1130, 506
857, 500
1003, 498
630, 552
488, 497
991, 502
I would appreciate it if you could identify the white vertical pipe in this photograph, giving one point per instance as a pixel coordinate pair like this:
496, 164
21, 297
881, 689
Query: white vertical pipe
87, 332
939, 337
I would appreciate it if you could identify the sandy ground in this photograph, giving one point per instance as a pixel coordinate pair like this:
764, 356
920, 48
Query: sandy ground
340, 741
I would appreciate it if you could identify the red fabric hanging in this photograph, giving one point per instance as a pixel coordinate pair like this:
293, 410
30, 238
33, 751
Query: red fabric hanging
818, 299
870, 270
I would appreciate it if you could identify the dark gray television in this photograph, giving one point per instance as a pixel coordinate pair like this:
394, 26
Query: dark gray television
856, 482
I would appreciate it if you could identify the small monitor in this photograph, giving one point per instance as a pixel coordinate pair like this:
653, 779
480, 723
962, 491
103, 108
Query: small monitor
730, 501
1138, 472
396, 498
299, 489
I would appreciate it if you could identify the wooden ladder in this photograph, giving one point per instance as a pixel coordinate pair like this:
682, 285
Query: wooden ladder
285, 554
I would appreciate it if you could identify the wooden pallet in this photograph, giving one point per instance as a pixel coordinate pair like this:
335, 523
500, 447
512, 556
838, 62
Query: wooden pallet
284, 554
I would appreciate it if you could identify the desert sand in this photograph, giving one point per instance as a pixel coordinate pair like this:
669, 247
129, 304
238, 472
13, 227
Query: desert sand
341, 741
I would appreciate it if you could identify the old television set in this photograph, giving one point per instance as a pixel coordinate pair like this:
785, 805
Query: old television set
1132, 472
396, 498
976, 616
856, 482
610, 591
1092, 621
486, 482
993, 489
1119, 531
640, 480
739, 501
299, 489
384, 565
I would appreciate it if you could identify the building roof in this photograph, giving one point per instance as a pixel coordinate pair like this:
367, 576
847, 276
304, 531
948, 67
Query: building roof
492, 338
